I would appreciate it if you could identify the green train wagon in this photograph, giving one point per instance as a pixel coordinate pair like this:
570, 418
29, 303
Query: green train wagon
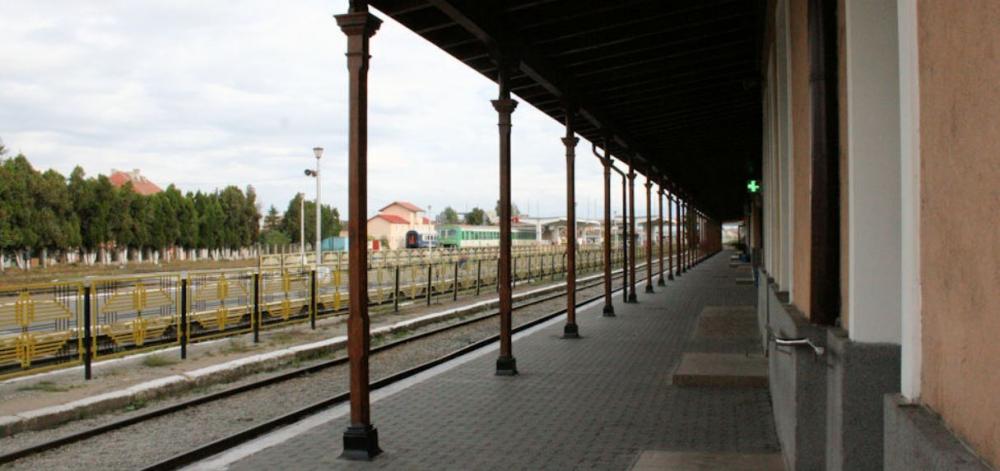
462, 236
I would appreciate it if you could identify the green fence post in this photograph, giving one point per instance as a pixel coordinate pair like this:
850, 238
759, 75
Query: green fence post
88, 340
256, 308
312, 299
182, 332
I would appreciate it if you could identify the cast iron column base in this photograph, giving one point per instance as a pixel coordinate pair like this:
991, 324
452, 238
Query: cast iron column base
632, 298
670, 277
571, 331
506, 366
360, 443
649, 287
609, 310
661, 282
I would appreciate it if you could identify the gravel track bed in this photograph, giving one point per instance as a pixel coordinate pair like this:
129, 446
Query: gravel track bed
151, 441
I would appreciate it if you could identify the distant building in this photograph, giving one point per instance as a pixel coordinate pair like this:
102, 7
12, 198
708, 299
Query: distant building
397, 218
140, 184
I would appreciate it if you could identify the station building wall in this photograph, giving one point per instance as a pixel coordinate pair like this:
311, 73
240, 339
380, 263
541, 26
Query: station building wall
959, 77
919, 202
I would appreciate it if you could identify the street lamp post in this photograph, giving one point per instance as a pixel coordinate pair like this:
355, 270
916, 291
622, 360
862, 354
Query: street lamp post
302, 227
318, 152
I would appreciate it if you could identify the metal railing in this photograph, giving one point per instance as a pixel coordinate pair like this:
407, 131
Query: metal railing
62, 324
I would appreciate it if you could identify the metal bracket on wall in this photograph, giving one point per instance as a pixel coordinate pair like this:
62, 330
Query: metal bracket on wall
800, 342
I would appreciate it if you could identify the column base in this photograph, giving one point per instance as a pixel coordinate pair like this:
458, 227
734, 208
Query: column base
649, 287
506, 366
670, 277
609, 310
360, 443
571, 331
661, 282
632, 298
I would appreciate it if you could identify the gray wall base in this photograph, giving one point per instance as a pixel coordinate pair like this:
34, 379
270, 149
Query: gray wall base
916, 438
859, 375
797, 384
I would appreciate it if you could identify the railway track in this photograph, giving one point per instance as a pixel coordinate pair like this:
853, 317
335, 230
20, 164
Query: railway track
228, 441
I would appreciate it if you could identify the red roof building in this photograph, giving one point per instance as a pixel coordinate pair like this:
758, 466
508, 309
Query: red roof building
140, 184
405, 205
397, 218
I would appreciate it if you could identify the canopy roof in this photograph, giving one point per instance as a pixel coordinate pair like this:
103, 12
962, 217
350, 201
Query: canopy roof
675, 83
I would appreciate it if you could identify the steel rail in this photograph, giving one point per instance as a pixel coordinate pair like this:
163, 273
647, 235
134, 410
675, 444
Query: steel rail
225, 443
166, 410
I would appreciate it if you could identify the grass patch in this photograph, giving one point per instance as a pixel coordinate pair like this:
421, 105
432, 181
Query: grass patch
156, 361
136, 405
45, 386
401, 333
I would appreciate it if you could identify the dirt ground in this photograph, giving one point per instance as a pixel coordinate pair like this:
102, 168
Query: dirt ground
13, 277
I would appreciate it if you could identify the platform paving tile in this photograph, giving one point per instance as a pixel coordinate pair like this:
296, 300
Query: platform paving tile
593, 403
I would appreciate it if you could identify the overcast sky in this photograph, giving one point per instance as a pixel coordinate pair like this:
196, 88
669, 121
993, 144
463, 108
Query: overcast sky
205, 94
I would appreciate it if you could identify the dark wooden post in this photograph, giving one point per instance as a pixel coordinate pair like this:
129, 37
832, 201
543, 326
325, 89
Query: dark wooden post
649, 234
677, 232
570, 330
609, 308
625, 243
506, 364
360, 438
687, 237
670, 236
632, 298
659, 201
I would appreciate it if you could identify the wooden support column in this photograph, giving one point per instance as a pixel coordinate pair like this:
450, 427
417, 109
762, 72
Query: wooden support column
570, 330
609, 308
632, 298
649, 233
360, 438
684, 236
506, 364
679, 243
670, 236
659, 201
687, 236
624, 235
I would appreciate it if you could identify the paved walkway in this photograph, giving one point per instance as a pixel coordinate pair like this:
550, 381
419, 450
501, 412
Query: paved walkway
593, 403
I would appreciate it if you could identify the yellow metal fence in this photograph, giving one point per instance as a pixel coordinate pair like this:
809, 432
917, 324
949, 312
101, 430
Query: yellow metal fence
44, 326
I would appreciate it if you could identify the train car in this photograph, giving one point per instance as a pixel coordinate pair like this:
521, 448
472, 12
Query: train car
416, 240
461, 236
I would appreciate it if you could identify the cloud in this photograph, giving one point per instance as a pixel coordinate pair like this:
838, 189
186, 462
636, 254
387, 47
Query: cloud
207, 94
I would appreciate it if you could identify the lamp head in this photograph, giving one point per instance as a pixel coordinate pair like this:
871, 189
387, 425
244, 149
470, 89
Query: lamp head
318, 152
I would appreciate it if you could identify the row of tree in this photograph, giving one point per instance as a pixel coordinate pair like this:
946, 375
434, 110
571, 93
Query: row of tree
283, 229
47, 215
475, 217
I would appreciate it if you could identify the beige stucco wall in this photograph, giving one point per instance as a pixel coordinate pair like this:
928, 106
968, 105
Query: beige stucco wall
379, 229
801, 152
959, 60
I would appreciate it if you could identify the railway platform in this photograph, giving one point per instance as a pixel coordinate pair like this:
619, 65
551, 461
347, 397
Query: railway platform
605, 401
